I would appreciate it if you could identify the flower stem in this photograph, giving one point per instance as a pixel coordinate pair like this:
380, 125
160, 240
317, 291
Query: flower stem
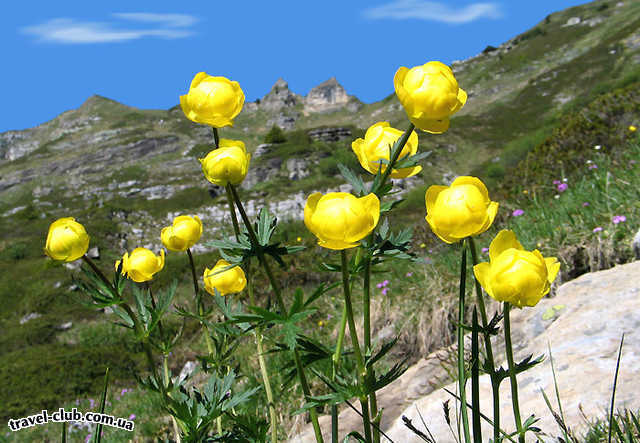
336, 360
258, 332
512, 371
495, 382
276, 289
462, 379
216, 140
99, 273
199, 304
392, 160
356, 346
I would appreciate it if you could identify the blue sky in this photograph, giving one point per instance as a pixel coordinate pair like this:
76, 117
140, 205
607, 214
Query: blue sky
144, 54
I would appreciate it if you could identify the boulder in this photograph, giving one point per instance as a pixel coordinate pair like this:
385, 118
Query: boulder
330, 96
582, 325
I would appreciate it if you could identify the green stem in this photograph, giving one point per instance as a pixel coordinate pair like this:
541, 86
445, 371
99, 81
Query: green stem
263, 368
261, 258
199, 304
462, 379
276, 289
336, 360
512, 372
216, 140
307, 393
234, 219
165, 363
99, 273
366, 299
495, 383
356, 346
392, 161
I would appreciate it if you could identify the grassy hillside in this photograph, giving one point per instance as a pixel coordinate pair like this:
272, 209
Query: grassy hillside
538, 105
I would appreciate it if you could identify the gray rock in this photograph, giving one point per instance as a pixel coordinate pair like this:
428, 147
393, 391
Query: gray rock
94, 253
187, 370
279, 97
31, 316
636, 245
297, 168
329, 96
572, 21
65, 326
582, 324
329, 134
261, 150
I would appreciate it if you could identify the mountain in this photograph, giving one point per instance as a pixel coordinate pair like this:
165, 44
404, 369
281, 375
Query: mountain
125, 173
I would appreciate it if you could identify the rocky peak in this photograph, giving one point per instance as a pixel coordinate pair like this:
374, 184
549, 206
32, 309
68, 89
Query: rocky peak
329, 96
279, 97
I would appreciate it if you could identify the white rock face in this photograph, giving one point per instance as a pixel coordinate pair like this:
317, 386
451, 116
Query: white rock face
582, 324
328, 96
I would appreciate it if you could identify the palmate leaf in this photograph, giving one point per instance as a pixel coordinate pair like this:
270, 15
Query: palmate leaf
388, 377
354, 180
526, 363
319, 291
128, 321
386, 347
265, 226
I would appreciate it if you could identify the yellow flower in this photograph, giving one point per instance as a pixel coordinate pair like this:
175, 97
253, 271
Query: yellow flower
514, 275
299, 239
376, 145
460, 210
227, 282
228, 163
213, 101
429, 95
525, 192
184, 233
632, 128
67, 240
141, 264
340, 220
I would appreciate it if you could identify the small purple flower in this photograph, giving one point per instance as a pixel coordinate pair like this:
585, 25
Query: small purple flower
385, 283
384, 291
585, 204
379, 286
86, 440
562, 187
329, 316
124, 391
517, 212
485, 250
556, 182
598, 229
409, 274
132, 417
593, 166
91, 403
619, 219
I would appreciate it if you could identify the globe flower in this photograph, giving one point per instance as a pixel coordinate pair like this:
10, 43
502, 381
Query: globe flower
339, 219
183, 234
141, 264
514, 275
67, 240
227, 282
460, 210
376, 145
228, 163
213, 101
429, 95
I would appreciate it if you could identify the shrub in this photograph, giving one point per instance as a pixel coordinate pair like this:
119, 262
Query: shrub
275, 135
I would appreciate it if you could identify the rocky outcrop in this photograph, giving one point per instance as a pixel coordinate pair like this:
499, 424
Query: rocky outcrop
279, 97
582, 325
330, 96
329, 134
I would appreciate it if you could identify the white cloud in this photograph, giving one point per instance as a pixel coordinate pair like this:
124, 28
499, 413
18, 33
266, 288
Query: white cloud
70, 31
433, 11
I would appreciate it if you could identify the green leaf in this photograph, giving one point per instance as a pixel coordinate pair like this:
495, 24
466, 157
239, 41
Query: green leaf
266, 226
123, 315
386, 347
354, 180
322, 289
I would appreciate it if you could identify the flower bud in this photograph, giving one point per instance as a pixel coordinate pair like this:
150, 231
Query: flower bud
460, 210
227, 282
514, 275
213, 101
141, 264
377, 144
339, 219
429, 95
227, 164
183, 234
67, 240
